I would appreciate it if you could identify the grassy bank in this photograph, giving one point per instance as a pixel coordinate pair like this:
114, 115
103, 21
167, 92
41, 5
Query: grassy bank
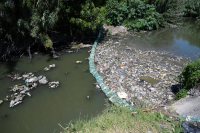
122, 120
189, 78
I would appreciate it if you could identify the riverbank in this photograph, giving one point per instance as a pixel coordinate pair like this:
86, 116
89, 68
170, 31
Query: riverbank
142, 78
115, 119
136, 71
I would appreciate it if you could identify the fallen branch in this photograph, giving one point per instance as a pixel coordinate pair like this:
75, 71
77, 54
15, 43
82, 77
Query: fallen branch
62, 126
22, 54
29, 52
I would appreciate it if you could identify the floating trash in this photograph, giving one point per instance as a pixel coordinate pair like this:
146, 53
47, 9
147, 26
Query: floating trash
136, 72
78, 62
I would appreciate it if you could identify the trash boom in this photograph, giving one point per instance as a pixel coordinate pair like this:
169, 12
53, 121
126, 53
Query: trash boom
112, 96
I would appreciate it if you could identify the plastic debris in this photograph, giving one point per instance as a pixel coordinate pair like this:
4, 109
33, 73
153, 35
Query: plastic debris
122, 95
126, 67
78, 62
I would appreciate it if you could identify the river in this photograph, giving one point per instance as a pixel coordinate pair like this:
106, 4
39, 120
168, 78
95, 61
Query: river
47, 107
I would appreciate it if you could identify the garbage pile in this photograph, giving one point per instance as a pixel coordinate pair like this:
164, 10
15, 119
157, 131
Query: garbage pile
136, 74
22, 90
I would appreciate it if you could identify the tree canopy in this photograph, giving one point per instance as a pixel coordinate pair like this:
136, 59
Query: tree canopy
24, 23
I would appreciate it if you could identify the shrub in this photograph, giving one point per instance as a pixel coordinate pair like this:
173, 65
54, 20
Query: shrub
192, 8
90, 18
163, 5
116, 12
189, 77
143, 17
135, 14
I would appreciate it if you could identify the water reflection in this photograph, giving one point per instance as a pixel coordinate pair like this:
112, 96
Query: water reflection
184, 40
190, 32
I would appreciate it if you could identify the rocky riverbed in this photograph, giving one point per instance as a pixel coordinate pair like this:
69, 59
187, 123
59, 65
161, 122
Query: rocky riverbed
147, 76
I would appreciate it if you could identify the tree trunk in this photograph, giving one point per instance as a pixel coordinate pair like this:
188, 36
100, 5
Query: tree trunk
29, 52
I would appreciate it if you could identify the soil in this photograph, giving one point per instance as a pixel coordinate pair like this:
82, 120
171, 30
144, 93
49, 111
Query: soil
116, 29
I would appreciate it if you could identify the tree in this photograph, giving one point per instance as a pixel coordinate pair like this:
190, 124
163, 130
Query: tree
26, 22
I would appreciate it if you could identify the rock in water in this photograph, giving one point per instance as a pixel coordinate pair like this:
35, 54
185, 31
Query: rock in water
43, 80
16, 100
46, 69
55, 56
78, 62
53, 65
1, 101
53, 84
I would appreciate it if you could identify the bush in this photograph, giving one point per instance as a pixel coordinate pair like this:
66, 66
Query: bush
89, 19
135, 14
116, 12
163, 5
192, 8
189, 77
143, 17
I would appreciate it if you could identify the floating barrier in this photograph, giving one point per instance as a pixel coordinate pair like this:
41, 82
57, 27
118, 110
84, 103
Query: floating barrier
191, 118
112, 97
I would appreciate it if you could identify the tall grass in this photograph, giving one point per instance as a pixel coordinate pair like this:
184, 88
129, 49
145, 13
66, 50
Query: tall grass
122, 120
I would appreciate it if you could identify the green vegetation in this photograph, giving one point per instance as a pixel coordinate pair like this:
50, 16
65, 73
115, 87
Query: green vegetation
189, 78
108, 32
32, 23
90, 18
136, 15
192, 8
116, 119
24, 23
163, 6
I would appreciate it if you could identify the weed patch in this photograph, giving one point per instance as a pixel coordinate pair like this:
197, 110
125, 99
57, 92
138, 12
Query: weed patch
118, 119
189, 78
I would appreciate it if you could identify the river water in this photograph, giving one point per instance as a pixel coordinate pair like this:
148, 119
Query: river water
47, 107
42, 112
181, 41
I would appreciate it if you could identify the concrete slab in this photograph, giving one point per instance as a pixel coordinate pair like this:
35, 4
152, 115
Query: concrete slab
188, 106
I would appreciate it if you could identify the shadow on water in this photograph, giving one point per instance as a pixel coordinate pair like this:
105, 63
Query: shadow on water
49, 59
11, 66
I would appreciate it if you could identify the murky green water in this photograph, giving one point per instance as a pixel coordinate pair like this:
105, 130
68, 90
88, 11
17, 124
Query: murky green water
181, 41
149, 79
47, 107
